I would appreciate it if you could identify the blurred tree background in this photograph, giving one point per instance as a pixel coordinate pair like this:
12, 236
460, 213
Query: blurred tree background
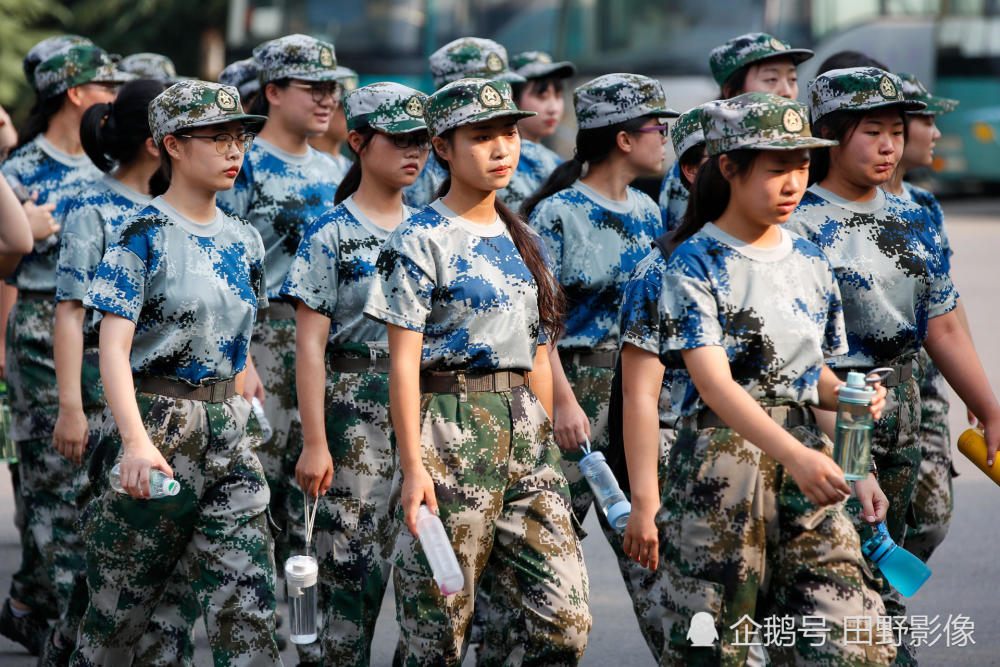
176, 28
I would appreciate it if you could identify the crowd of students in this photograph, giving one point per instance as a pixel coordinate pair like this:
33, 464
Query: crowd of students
434, 308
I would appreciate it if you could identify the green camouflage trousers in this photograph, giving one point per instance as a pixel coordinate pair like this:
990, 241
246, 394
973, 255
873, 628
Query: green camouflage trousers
273, 351
355, 527
34, 404
933, 502
505, 505
215, 528
740, 542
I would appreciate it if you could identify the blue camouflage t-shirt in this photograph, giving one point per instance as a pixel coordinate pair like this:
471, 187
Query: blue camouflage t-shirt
424, 190
280, 194
593, 243
465, 286
193, 291
57, 177
925, 198
776, 312
888, 260
673, 197
333, 271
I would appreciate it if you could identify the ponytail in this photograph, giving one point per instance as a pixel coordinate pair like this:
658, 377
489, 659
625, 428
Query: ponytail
38, 118
592, 146
551, 301
352, 179
710, 193
115, 132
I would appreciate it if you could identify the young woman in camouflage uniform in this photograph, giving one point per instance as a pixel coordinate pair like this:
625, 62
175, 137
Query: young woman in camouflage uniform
179, 289
752, 63
284, 185
933, 501
332, 141
51, 162
897, 294
750, 521
348, 457
596, 229
469, 304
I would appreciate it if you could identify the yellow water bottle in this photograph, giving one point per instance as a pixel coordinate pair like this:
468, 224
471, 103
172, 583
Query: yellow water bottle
973, 445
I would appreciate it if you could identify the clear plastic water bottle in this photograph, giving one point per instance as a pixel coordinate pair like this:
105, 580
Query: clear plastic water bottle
605, 487
905, 572
852, 446
301, 574
440, 555
160, 486
265, 426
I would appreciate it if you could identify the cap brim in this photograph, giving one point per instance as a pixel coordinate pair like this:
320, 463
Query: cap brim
509, 76
315, 76
909, 106
400, 127
798, 56
794, 143
665, 112
490, 115
252, 121
560, 70
937, 106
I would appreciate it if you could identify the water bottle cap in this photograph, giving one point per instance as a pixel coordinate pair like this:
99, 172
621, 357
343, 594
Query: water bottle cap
301, 571
879, 545
172, 487
618, 514
856, 390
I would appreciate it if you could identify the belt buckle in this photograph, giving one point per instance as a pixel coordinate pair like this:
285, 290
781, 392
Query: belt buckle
371, 359
217, 392
463, 388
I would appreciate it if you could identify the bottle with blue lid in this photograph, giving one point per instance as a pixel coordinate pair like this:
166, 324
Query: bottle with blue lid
603, 483
905, 572
852, 446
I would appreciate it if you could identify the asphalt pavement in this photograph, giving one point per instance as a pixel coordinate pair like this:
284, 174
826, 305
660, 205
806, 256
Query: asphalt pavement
958, 605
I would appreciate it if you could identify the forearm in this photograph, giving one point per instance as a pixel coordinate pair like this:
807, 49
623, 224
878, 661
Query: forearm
404, 396
642, 378
828, 381
8, 295
952, 351
68, 353
562, 390
15, 230
541, 377
310, 385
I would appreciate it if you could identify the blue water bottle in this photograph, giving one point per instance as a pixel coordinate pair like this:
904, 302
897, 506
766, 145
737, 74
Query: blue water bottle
905, 572
605, 487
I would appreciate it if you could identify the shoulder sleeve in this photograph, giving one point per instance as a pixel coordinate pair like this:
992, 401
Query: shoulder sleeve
639, 318
690, 308
81, 246
403, 285
119, 284
546, 220
313, 275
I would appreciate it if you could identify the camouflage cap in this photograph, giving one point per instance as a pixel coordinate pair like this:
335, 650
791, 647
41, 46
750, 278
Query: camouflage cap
750, 48
347, 78
46, 48
468, 101
615, 98
296, 57
538, 64
471, 57
74, 66
194, 103
761, 121
385, 106
242, 75
150, 66
857, 89
914, 90
687, 132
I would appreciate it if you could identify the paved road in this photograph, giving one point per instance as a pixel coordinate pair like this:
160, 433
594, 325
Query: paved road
966, 569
